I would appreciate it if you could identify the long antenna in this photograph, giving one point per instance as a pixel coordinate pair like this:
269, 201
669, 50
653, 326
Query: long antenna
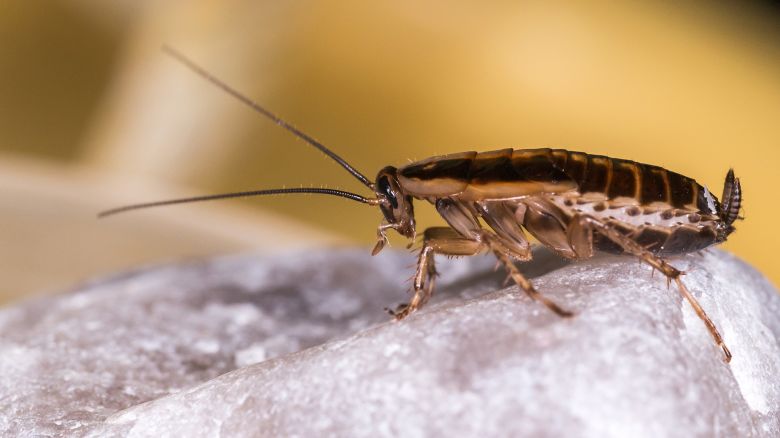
333, 192
260, 109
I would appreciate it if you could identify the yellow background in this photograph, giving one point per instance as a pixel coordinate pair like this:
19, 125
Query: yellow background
93, 115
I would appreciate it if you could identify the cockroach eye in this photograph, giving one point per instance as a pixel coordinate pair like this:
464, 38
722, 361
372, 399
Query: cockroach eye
387, 190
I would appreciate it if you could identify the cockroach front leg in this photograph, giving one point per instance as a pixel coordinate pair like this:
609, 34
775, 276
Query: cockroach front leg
436, 240
582, 224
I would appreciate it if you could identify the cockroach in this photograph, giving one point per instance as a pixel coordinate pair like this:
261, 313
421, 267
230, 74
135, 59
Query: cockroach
572, 202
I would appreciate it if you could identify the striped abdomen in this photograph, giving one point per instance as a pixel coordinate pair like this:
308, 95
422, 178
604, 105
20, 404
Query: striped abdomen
644, 183
511, 173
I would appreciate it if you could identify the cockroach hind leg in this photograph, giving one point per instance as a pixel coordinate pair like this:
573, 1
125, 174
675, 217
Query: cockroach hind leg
706, 319
558, 310
671, 273
726, 353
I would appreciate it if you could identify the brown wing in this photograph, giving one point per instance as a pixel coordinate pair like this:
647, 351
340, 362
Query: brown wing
471, 176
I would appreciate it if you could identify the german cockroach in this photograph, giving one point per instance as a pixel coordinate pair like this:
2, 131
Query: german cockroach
572, 202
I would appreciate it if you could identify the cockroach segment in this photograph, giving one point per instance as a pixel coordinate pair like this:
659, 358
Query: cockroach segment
572, 202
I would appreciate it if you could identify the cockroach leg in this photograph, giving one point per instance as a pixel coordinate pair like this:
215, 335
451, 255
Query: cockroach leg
671, 273
707, 321
381, 237
503, 256
436, 240
425, 274
443, 240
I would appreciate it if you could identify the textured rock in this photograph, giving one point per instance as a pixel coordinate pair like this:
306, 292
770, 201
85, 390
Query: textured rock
298, 345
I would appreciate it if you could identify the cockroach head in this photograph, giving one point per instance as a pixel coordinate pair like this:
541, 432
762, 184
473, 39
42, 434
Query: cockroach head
395, 204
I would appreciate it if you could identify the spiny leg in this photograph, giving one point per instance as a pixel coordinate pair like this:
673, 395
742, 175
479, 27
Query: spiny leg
424, 279
502, 255
506, 242
436, 240
658, 263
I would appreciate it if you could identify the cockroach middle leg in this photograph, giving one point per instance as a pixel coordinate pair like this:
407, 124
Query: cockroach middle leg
506, 242
671, 273
502, 255
436, 240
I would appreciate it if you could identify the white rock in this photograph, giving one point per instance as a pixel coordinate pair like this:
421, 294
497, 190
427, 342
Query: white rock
298, 345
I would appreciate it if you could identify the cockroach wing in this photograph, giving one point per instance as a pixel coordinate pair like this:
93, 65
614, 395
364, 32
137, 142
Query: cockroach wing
495, 175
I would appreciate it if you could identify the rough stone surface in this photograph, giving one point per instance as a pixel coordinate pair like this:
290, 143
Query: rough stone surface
298, 345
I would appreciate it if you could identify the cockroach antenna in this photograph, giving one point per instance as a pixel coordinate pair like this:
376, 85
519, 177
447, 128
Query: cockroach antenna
276, 119
262, 110
333, 192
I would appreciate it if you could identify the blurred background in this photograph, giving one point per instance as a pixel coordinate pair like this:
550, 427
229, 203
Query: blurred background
93, 115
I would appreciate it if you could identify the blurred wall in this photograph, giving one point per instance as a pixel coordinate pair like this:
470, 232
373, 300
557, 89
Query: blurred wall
693, 87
